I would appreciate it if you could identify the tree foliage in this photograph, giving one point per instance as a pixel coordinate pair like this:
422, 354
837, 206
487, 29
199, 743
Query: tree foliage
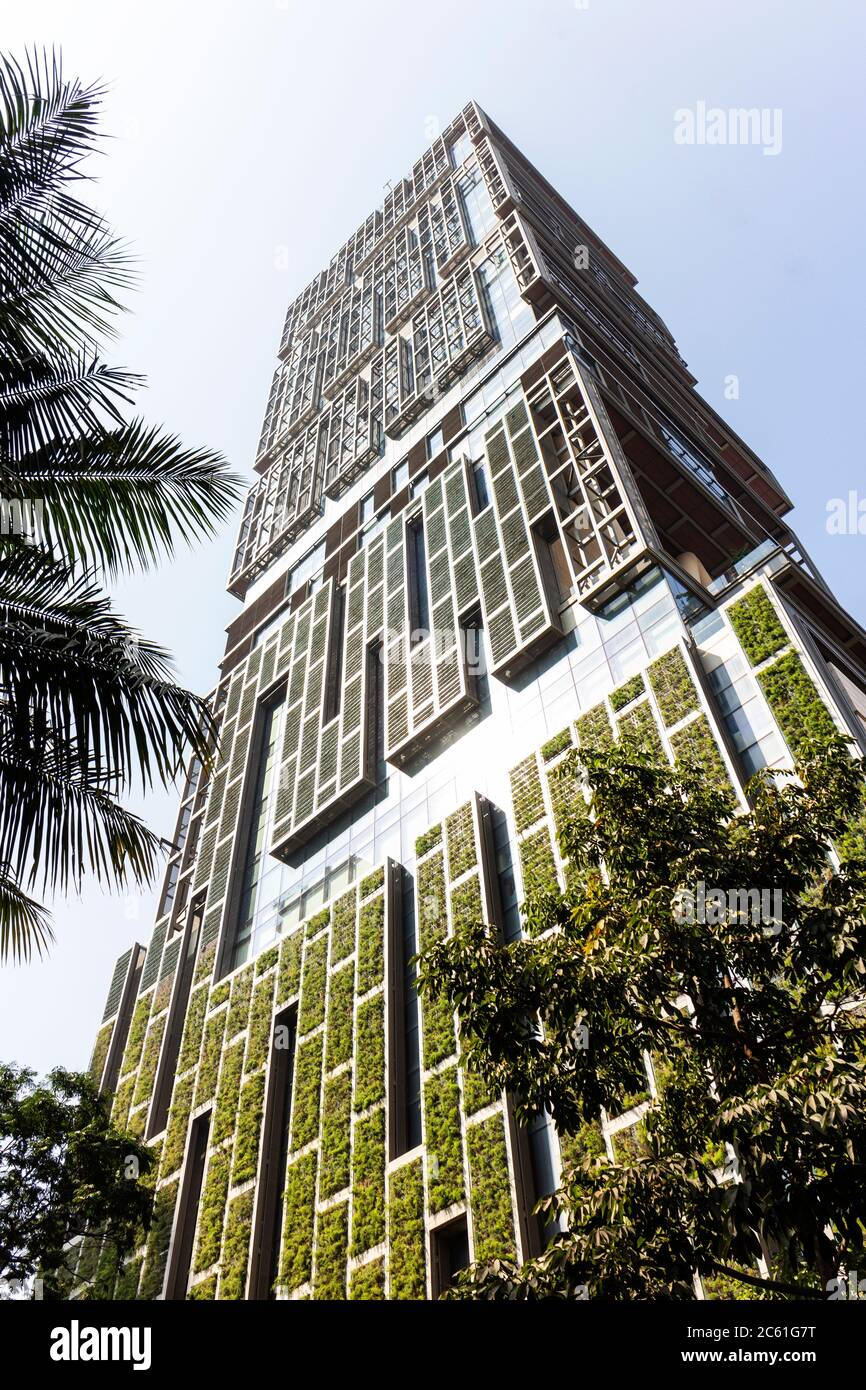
749, 1164
65, 1172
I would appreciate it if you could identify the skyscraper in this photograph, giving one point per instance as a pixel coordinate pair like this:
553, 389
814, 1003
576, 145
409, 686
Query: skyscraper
494, 519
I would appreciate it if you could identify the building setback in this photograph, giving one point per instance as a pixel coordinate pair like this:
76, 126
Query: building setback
494, 519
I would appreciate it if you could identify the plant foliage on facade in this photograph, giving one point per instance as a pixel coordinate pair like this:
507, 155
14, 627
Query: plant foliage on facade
724, 998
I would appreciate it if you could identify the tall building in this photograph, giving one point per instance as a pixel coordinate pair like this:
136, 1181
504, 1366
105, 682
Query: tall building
493, 519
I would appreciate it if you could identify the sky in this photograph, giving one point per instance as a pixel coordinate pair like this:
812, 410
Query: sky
251, 137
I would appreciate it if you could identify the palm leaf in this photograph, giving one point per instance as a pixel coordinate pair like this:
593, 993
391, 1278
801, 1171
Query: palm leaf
72, 669
59, 823
118, 497
56, 267
48, 126
48, 401
24, 924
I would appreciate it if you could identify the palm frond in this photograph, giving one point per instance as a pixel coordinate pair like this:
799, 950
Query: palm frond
51, 400
59, 269
24, 924
56, 821
116, 498
59, 261
73, 670
48, 126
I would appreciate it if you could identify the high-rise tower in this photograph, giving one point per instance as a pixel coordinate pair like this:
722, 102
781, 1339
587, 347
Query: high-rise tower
493, 517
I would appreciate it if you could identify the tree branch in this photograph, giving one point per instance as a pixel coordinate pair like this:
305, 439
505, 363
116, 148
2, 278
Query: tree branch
759, 1283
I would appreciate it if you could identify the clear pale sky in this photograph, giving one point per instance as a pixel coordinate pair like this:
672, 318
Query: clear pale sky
251, 138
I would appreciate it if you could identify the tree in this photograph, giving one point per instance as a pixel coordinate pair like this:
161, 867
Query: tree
87, 706
749, 1164
65, 1172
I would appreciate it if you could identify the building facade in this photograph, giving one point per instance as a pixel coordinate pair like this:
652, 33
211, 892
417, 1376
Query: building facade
493, 519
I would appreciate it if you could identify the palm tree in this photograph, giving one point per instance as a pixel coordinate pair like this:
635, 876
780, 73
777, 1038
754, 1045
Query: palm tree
87, 706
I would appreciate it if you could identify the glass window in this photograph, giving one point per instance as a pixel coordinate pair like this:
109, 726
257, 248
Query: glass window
314, 899
171, 885
373, 529
417, 566
460, 149
687, 455
399, 476
541, 1137
479, 479
290, 913
477, 206
411, 1042
491, 391
474, 407
435, 443
505, 873
306, 568
366, 507
195, 766
270, 627
748, 721
419, 484
449, 1251
659, 636
509, 313
182, 828
340, 878
257, 861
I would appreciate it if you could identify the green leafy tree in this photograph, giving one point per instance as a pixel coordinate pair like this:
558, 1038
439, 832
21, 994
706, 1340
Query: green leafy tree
65, 1172
749, 1164
87, 706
